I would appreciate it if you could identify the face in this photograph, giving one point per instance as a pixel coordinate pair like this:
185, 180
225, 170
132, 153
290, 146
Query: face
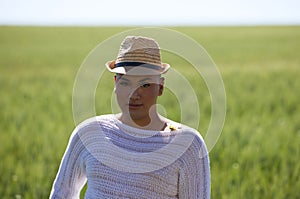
137, 95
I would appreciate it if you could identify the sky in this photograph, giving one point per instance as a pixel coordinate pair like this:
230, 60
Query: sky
151, 12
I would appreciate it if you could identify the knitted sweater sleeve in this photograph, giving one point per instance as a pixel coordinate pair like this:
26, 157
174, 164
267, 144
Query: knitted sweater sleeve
194, 174
71, 174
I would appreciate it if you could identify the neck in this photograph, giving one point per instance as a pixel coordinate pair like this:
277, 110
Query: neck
155, 122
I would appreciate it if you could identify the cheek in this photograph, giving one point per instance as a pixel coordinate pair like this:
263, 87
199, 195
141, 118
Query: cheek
156, 91
151, 94
121, 93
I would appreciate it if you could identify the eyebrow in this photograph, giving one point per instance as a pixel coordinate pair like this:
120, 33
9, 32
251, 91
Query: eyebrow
145, 79
142, 80
123, 78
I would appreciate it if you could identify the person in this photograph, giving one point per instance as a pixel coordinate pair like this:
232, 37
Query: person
136, 153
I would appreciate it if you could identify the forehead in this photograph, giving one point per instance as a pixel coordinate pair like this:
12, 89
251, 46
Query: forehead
139, 78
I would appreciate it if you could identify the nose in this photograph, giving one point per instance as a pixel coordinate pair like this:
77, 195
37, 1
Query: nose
135, 94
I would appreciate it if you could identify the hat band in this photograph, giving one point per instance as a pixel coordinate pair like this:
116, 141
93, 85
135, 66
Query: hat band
141, 64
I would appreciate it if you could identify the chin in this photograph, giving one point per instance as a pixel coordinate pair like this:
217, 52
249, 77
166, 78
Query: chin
138, 116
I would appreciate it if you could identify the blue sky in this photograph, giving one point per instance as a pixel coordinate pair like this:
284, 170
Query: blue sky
154, 12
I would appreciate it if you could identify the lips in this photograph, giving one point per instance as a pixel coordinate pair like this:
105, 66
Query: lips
134, 106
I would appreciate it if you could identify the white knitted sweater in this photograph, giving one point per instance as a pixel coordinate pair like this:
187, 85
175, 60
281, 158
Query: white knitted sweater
119, 161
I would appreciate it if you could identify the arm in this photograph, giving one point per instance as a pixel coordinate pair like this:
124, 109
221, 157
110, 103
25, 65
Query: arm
71, 174
194, 176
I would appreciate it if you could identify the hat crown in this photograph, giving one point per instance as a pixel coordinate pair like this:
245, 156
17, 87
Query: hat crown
139, 49
132, 43
138, 56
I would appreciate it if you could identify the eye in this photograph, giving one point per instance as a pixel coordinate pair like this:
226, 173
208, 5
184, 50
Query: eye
145, 85
123, 83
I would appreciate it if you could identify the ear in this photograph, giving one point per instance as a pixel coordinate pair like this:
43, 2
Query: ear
115, 81
161, 86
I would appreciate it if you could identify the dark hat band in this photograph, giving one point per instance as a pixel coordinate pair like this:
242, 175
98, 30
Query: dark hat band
141, 64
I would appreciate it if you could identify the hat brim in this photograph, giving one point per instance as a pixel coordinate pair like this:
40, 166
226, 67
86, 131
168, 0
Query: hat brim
136, 70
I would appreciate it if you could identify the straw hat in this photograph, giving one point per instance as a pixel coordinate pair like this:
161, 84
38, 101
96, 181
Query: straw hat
138, 56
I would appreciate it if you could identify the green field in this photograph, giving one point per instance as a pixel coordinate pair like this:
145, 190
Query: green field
256, 156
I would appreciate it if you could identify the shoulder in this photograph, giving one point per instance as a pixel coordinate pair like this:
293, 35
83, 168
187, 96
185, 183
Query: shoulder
94, 122
94, 125
197, 143
184, 129
187, 136
198, 139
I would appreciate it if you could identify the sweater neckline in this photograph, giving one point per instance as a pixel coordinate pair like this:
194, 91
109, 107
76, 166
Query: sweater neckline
171, 128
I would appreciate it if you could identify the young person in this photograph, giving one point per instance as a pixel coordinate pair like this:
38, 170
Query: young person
136, 153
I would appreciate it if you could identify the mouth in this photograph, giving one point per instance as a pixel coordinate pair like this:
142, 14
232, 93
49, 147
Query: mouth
135, 106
